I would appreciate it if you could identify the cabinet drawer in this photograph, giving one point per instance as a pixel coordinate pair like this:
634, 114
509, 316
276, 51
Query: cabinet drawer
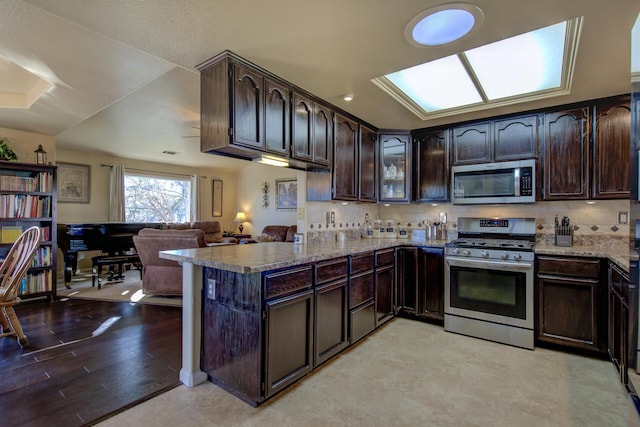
361, 289
564, 266
362, 321
361, 262
331, 270
385, 257
287, 281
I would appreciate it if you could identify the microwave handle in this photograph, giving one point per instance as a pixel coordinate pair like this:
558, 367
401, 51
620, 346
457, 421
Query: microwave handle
516, 182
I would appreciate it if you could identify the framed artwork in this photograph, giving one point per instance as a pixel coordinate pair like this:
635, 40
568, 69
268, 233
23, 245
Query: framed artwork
216, 197
73, 183
287, 193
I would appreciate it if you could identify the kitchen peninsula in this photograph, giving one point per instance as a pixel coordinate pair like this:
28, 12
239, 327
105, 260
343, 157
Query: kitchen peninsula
272, 312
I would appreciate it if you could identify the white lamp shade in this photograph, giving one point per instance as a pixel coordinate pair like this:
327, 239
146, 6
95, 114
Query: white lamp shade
240, 217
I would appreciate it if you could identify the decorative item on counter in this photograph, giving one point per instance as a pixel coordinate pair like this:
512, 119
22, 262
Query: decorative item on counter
6, 153
367, 228
378, 229
390, 231
563, 232
341, 237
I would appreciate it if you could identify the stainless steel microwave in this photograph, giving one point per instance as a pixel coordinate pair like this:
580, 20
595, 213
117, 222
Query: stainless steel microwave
488, 183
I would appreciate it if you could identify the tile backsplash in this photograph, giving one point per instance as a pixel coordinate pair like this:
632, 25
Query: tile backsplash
596, 223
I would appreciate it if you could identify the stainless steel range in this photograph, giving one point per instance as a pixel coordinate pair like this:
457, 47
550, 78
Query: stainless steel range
489, 280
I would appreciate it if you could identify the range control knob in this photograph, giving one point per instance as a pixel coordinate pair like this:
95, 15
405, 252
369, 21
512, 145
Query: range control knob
504, 255
455, 251
466, 252
517, 257
484, 254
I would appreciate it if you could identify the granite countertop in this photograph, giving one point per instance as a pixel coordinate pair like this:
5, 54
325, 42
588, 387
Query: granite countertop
620, 257
253, 258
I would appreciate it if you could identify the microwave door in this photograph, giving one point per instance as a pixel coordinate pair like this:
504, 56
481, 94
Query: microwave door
497, 183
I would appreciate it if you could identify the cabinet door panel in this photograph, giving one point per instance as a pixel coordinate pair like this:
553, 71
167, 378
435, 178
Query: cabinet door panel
611, 151
432, 163
472, 144
367, 175
276, 117
516, 138
302, 127
289, 340
331, 320
384, 294
361, 289
431, 282
407, 278
322, 134
362, 321
247, 113
566, 157
395, 168
344, 159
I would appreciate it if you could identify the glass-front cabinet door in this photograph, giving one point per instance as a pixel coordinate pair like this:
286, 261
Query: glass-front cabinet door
395, 168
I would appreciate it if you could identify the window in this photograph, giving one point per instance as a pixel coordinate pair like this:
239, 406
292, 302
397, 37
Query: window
529, 66
157, 198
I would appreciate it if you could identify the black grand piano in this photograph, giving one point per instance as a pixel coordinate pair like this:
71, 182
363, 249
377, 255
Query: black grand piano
113, 238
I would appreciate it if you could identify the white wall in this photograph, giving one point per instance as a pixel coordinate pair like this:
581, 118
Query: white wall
249, 198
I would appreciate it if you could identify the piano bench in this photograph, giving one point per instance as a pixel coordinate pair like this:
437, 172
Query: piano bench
97, 262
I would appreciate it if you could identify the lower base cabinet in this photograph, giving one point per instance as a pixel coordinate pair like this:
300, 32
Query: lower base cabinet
622, 325
331, 320
571, 303
420, 282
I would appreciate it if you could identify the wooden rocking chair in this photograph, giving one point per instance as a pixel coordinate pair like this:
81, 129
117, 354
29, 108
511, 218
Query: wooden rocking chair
12, 271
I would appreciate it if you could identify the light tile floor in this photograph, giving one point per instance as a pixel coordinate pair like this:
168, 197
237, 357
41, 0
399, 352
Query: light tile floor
412, 373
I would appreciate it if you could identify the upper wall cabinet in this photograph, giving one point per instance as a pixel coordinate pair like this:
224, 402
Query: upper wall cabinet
244, 111
511, 138
431, 160
566, 154
611, 138
367, 163
587, 151
345, 158
395, 168
312, 130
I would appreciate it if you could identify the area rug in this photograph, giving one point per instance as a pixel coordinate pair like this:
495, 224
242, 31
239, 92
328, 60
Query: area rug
127, 290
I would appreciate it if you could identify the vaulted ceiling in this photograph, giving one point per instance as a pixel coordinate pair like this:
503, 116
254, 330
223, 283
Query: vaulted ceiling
124, 71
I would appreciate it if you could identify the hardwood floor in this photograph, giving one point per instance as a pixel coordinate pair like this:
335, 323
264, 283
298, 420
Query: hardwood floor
74, 374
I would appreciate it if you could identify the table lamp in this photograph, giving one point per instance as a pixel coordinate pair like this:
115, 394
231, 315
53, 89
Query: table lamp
241, 217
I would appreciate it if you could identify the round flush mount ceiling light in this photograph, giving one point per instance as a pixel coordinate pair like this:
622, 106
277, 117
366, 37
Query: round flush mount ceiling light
443, 24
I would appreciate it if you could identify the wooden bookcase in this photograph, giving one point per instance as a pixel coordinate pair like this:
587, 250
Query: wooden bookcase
27, 198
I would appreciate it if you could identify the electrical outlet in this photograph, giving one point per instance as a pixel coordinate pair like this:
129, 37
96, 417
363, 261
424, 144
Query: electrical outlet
333, 218
623, 217
328, 218
211, 289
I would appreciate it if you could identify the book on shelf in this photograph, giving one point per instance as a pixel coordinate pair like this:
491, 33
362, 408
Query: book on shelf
10, 233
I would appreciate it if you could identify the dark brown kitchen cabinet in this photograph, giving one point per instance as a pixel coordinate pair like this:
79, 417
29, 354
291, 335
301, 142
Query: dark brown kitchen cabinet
395, 167
345, 159
331, 299
288, 340
472, 143
362, 310
611, 136
623, 321
312, 130
571, 303
431, 283
420, 282
245, 111
515, 138
566, 155
384, 284
367, 165
431, 154
511, 138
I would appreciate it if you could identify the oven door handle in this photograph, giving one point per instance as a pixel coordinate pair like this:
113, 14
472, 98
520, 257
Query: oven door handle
465, 262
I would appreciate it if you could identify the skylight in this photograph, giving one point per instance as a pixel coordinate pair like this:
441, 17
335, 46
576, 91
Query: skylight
529, 66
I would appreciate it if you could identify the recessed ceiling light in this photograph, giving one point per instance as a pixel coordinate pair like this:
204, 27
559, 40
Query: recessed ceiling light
348, 97
443, 24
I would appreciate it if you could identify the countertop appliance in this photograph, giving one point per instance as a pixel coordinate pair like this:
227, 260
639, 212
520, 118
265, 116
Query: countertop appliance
489, 277
488, 183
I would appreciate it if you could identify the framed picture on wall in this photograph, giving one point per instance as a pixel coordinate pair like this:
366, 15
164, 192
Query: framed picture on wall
216, 197
73, 183
287, 193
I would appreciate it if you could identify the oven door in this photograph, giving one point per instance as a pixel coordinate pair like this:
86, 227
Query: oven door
490, 290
